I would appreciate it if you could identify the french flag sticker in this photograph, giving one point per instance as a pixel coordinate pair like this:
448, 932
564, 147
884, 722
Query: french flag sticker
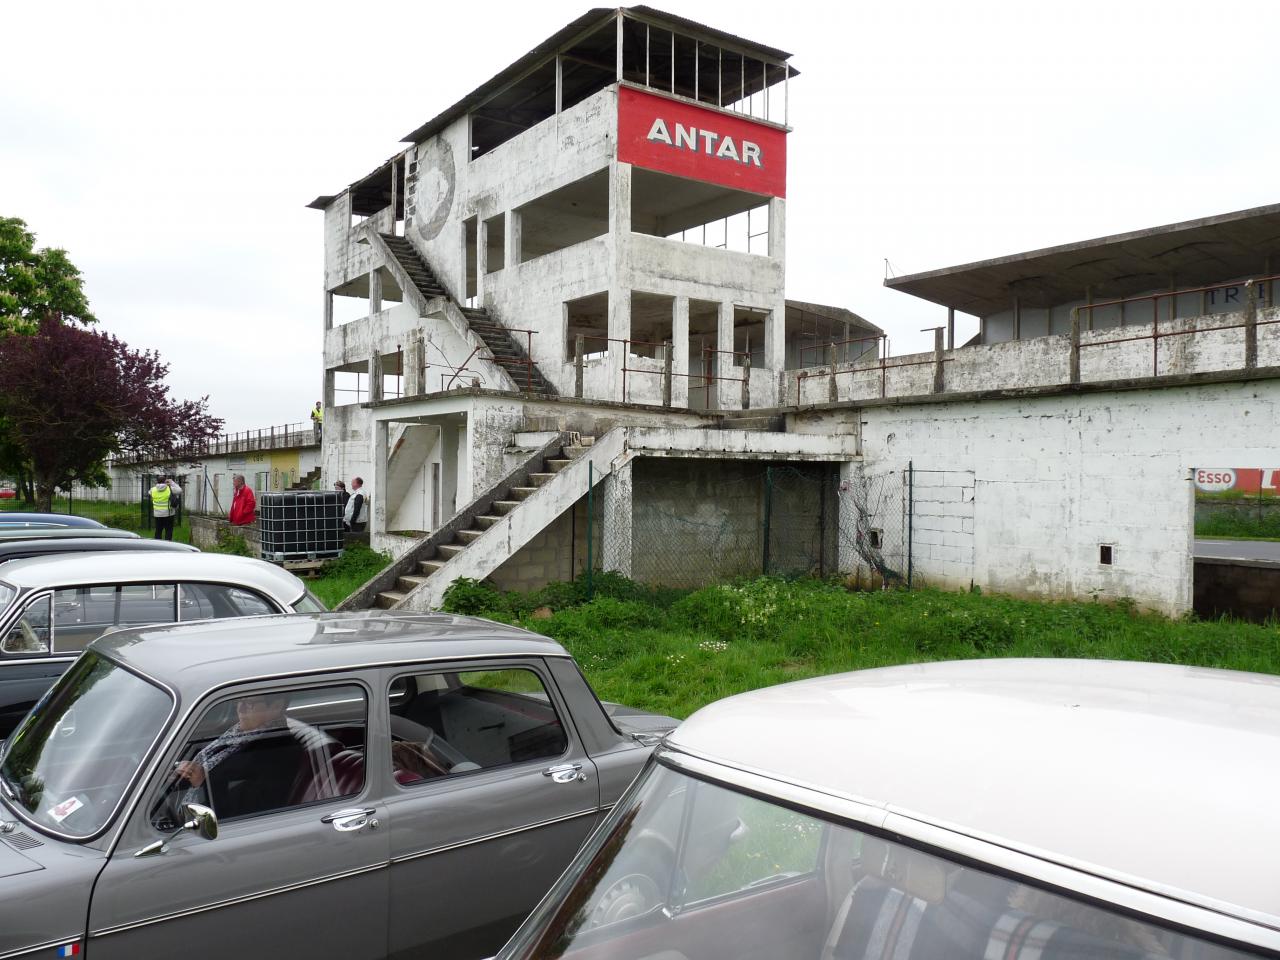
69, 950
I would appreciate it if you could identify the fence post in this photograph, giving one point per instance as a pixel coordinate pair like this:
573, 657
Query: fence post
768, 517
937, 359
1251, 327
746, 382
911, 510
1075, 345
666, 373
579, 343
590, 518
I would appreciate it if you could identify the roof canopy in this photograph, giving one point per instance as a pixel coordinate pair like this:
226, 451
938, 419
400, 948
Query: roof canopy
1190, 254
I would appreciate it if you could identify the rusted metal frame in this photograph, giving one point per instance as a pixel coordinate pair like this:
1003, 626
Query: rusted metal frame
884, 368
1156, 296
457, 372
841, 343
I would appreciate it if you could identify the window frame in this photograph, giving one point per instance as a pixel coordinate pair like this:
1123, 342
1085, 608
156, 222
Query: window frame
537, 668
276, 608
150, 798
27, 604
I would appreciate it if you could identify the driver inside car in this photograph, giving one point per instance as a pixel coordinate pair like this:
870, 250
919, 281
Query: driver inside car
264, 761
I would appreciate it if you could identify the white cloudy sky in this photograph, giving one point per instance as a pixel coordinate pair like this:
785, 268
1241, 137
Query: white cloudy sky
171, 148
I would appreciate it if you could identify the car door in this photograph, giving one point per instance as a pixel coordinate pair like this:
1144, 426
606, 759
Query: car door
28, 665
493, 795
299, 864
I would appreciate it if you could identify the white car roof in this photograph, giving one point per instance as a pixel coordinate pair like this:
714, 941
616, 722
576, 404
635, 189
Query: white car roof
70, 569
1160, 777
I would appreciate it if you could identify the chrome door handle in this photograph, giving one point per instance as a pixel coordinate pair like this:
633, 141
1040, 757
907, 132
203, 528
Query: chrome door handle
565, 772
353, 818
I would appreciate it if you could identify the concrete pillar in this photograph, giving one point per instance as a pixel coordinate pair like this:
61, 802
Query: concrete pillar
482, 255
1251, 328
512, 238
375, 291
778, 228
938, 363
377, 493
680, 352
847, 556
725, 390
330, 376
375, 378
448, 472
328, 311
1074, 373
616, 537
620, 200
619, 329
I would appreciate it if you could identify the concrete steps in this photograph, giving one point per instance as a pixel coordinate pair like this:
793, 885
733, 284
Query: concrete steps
502, 511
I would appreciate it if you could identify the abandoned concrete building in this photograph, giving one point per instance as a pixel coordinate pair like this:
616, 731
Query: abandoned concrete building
556, 334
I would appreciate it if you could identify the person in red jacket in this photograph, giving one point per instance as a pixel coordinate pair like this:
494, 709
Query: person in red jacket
243, 505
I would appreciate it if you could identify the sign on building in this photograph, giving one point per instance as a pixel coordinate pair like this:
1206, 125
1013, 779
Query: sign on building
1242, 479
672, 136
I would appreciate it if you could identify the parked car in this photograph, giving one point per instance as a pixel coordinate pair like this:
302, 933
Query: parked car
341, 785
994, 810
22, 543
14, 518
52, 606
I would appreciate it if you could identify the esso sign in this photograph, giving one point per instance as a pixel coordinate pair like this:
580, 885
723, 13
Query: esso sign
1212, 480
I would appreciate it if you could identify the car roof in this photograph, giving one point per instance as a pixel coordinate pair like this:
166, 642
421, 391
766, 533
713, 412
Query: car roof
40, 546
136, 566
39, 532
1161, 777
15, 517
194, 658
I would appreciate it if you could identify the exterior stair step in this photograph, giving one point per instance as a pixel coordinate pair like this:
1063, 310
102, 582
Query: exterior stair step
470, 536
556, 465
484, 523
541, 479
428, 567
407, 582
450, 550
523, 493
574, 452
389, 598
505, 506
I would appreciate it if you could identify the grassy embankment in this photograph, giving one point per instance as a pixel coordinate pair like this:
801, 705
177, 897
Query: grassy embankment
672, 652
1235, 515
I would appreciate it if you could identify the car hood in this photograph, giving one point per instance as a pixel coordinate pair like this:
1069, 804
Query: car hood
12, 863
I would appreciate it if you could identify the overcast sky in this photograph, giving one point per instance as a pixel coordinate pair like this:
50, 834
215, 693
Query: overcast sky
171, 148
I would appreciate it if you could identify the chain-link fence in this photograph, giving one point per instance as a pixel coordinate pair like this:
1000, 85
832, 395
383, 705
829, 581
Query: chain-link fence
684, 523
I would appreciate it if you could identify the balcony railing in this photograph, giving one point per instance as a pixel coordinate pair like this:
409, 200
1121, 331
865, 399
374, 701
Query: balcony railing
280, 437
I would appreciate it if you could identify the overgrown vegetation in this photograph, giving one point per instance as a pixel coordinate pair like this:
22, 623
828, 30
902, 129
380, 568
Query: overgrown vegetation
342, 576
672, 651
1243, 521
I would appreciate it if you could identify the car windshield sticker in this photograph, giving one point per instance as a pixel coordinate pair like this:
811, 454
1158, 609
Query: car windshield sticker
69, 950
63, 810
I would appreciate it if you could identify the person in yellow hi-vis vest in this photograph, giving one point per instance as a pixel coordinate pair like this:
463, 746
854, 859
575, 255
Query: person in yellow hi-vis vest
317, 420
163, 508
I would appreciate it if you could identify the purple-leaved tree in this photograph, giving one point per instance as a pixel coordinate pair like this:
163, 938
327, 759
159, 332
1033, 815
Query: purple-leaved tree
71, 397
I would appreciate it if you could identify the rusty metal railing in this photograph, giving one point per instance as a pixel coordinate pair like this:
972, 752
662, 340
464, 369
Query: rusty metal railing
667, 373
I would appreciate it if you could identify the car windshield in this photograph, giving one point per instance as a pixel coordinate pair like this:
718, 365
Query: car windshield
309, 603
7, 593
68, 765
685, 869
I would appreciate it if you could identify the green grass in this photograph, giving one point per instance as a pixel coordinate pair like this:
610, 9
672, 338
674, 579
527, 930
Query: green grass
122, 515
671, 652
1242, 523
341, 577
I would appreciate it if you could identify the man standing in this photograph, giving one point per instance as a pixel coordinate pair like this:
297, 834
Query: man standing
356, 514
162, 509
317, 420
243, 505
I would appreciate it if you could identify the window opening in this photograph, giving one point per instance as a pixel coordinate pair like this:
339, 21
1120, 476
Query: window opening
571, 214
587, 317
446, 724
495, 243
350, 387
469, 254
652, 324
749, 327
31, 633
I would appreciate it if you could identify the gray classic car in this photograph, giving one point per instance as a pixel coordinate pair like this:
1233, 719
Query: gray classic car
52, 606
333, 785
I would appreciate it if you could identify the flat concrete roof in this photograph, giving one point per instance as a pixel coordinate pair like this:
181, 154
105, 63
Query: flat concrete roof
1189, 254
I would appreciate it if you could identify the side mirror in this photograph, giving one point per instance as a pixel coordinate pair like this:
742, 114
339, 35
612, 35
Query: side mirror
198, 818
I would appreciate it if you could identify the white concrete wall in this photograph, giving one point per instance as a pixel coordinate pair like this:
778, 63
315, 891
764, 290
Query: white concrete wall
1017, 495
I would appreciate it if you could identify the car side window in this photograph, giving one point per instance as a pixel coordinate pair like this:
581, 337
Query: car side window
270, 751
82, 614
445, 724
142, 603
30, 633
205, 601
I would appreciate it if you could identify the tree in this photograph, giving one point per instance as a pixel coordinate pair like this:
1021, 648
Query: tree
36, 284
71, 397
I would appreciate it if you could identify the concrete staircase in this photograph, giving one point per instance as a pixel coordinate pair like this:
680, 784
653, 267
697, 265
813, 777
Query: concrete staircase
503, 348
545, 468
307, 481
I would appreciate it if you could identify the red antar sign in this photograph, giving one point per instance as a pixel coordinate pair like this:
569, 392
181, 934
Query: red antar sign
690, 141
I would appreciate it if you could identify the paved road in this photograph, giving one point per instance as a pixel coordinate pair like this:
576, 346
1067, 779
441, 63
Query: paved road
1239, 549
